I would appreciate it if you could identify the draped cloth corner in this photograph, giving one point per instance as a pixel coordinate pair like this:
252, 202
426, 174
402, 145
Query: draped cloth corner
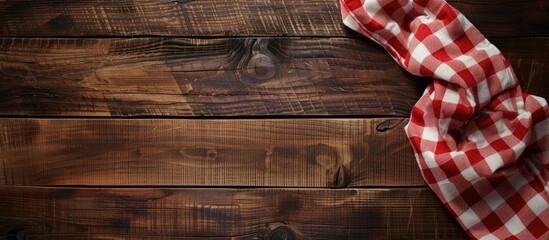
481, 143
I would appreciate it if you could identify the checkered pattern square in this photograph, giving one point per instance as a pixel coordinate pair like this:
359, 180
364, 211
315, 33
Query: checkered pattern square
481, 143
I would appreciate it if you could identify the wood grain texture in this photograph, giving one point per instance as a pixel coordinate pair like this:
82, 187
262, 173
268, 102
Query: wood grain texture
137, 213
170, 152
235, 18
201, 77
530, 60
222, 77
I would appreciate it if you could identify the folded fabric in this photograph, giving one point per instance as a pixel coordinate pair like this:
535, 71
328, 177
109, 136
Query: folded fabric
481, 143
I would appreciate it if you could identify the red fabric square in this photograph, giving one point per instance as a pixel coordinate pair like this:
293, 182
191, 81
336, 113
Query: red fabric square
424, 71
406, 23
499, 145
537, 227
374, 26
352, 4
464, 43
462, 113
467, 77
492, 222
428, 175
470, 196
520, 131
488, 67
401, 50
422, 3
422, 32
450, 169
417, 116
474, 156
516, 202
442, 55
391, 7
447, 14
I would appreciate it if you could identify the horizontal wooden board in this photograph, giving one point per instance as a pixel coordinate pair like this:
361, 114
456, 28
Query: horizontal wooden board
116, 213
201, 77
222, 77
530, 60
170, 152
235, 17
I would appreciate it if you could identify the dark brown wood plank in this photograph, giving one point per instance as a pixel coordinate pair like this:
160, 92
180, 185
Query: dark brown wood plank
170, 152
107, 213
530, 60
222, 77
201, 77
235, 17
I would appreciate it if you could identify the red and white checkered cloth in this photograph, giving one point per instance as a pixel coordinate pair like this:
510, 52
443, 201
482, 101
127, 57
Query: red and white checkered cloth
481, 143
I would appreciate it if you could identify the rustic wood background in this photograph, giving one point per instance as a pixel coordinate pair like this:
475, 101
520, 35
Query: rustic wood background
227, 119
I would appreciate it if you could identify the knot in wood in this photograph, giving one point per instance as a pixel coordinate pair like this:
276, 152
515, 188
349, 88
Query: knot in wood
388, 124
281, 232
212, 155
261, 67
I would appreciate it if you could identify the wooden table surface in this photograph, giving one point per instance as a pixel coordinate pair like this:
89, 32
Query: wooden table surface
226, 119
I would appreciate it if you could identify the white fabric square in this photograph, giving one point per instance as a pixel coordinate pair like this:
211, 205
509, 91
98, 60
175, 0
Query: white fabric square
450, 96
514, 225
482, 45
467, 60
483, 92
448, 190
494, 200
494, 161
444, 124
541, 130
420, 52
393, 27
429, 158
488, 48
478, 139
350, 22
503, 131
537, 204
464, 22
470, 174
426, 18
489, 237
371, 7
519, 148
520, 105
455, 154
443, 35
444, 71
508, 104
430, 134
471, 98
518, 181
506, 78
469, 218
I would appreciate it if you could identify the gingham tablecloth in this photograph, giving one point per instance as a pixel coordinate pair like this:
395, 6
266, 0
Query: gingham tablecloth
481, 143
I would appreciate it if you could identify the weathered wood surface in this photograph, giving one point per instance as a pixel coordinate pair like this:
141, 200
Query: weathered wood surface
240, 58
201, 77
222, 77
235, 18
171, 152
107, 213
530, 60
